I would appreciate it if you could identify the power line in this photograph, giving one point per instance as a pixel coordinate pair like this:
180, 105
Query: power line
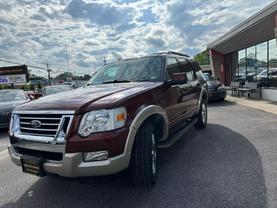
12, 62
37, 67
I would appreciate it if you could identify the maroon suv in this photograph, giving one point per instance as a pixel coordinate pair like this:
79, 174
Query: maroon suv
128, 109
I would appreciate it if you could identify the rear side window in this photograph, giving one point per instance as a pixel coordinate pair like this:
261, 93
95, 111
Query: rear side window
172, 67
187, 68
198, 71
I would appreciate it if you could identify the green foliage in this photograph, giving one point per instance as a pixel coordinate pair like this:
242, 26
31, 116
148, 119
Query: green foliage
203, 58
64, 76
39, 86
24, 87
31, 87
68, 75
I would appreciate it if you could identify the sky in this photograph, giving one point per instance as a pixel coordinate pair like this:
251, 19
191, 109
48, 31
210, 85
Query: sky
37, 32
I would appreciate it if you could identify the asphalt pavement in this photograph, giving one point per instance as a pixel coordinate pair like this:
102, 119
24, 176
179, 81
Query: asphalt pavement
231, 163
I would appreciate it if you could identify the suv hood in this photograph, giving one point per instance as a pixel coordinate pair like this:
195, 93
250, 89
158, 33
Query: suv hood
103, 96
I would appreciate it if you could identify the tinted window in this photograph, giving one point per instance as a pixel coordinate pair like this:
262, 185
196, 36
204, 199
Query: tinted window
172, 67
198, 71
196, 66
187, 68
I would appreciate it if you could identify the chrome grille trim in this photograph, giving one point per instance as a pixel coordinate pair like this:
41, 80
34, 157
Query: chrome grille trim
68, 112
34, 118
40, 129
48, 124
53, 129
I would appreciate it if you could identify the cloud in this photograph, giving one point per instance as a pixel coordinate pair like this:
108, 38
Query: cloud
35, 32
99, 13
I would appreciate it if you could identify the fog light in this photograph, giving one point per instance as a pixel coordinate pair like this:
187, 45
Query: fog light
95, 156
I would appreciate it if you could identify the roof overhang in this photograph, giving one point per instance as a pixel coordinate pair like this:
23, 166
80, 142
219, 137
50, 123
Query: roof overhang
254, 30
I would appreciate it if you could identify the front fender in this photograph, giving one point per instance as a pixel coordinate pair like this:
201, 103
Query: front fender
139, 119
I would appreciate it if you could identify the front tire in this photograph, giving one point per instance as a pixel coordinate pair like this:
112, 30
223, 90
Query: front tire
202, 116
144, 157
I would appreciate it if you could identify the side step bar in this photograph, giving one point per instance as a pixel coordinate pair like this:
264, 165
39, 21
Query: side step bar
170, 141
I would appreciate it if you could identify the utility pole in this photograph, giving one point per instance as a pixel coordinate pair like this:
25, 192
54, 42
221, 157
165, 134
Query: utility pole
67, 62
49, 71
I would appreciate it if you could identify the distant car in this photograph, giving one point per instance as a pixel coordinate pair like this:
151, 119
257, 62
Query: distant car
216, 90
49, 90
33, 95
9, 99
272, 74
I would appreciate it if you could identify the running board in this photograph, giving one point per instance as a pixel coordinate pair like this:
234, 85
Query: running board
169, 142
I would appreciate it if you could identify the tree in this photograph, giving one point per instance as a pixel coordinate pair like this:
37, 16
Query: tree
32, 87
203, 58
87, 77
64, 76
39, 86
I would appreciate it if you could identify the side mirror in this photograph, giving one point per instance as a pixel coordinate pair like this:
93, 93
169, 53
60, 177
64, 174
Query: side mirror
177, 79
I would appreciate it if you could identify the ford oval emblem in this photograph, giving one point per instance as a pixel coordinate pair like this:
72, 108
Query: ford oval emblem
35, 123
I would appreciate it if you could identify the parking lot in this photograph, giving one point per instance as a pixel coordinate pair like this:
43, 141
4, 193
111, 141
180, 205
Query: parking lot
232, 163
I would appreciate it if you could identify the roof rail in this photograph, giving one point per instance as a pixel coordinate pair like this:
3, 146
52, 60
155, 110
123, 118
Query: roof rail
172, 52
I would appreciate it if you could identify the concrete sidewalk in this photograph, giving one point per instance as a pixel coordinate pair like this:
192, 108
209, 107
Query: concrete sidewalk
267, 106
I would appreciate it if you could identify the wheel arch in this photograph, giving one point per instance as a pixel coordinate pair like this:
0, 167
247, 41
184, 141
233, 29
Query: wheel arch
152, 113
203, 97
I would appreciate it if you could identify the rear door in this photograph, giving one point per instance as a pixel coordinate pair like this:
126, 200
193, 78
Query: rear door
192, 89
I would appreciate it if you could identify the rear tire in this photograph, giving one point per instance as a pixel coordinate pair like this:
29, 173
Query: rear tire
202, 116
144, 157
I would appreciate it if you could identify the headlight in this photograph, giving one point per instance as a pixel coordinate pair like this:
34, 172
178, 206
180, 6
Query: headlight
14, 124
102, 120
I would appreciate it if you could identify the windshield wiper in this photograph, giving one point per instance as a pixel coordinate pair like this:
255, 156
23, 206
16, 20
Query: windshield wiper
116, 81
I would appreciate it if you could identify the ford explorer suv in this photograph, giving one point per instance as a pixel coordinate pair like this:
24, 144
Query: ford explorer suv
128, 110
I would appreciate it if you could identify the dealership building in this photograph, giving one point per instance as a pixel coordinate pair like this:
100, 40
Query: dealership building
248, 52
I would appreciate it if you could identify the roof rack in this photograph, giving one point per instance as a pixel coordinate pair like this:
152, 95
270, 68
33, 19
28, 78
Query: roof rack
172, 52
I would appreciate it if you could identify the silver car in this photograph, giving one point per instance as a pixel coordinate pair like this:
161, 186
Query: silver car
9, 99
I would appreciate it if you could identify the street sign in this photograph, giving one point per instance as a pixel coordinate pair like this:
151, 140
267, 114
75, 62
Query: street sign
13, 74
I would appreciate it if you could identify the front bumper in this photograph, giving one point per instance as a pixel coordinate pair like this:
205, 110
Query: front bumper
216, 94
73, 165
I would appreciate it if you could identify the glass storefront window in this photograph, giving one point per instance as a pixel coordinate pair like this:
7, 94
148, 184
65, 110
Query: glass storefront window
241, 70
272, 70
261, 68
258, 64
250, 64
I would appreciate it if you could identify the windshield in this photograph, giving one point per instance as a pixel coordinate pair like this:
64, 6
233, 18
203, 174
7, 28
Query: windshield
10, 95
135, 70
209, 77
56, 89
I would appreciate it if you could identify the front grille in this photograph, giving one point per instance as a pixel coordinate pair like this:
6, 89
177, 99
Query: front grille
212, 89
5, 118
48, 124
58, 156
